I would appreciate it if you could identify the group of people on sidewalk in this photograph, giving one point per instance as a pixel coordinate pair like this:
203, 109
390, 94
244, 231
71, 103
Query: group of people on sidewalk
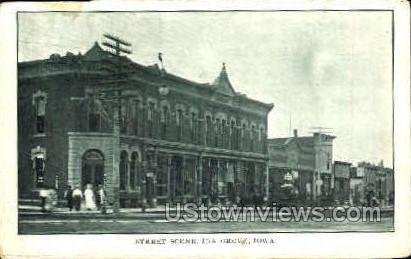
91, 199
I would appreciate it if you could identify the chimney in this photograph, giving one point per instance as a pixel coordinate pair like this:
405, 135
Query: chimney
295, 133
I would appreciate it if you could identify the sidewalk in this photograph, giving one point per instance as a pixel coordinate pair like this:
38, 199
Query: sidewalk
150, 214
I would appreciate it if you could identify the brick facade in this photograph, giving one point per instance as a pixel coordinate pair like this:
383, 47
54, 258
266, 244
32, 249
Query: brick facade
162, 137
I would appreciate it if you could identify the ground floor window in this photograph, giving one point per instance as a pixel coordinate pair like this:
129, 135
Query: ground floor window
39, 165
123, 169
134, 170
162, 176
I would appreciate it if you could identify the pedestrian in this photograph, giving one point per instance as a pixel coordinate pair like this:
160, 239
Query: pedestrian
68, 194
101, 194
77, 196
52, 199
89, 197
43, 193
98, 197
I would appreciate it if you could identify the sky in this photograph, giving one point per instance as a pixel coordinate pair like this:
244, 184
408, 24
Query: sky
320, 69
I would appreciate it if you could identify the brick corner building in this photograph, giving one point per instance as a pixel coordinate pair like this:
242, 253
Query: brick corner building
145, 134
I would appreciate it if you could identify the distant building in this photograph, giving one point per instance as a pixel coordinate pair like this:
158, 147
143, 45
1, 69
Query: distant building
356, 186
308, 159
378, 182
341, 172
143, 133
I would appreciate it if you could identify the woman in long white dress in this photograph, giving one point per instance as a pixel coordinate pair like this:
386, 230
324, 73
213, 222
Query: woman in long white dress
89, 198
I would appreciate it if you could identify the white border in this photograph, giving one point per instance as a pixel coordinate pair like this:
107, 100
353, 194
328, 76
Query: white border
324, 245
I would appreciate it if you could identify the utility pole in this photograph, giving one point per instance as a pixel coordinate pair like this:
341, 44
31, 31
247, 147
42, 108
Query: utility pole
117, 45
116, 48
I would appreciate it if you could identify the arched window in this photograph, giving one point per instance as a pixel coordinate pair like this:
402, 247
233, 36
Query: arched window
135, 109
124, 115
193, 126
123, 169
150, 111
39, 100
179, 123
252, 137
261, 134
133, 170
243, 137
208, 130
217, 132
150, 118
223, 133
262, 139
232, 135
165, 114
40, 114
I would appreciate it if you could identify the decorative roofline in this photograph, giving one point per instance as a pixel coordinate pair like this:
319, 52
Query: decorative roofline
154, 70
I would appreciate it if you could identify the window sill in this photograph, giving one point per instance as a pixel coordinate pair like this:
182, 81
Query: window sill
39, 135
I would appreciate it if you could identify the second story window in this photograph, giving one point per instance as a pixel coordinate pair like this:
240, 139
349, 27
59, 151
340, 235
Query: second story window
223, 133
40, 114
232, 135
94, 121
150, 118
243, 137
124, 115
150, 111
217, 132
135, 109
328, 161
252, 135
208, 129
193, 126
94, 115
39, 101
261, 134
243, 130
164, 121
179, 124
179, 117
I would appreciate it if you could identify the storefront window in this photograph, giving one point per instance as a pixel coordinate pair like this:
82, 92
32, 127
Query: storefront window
133, 170
123, 170
162, 177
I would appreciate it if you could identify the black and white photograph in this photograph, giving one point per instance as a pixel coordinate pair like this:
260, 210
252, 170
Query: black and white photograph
206, 122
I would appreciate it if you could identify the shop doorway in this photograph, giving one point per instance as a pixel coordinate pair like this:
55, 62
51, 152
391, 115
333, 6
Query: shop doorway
92, 169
